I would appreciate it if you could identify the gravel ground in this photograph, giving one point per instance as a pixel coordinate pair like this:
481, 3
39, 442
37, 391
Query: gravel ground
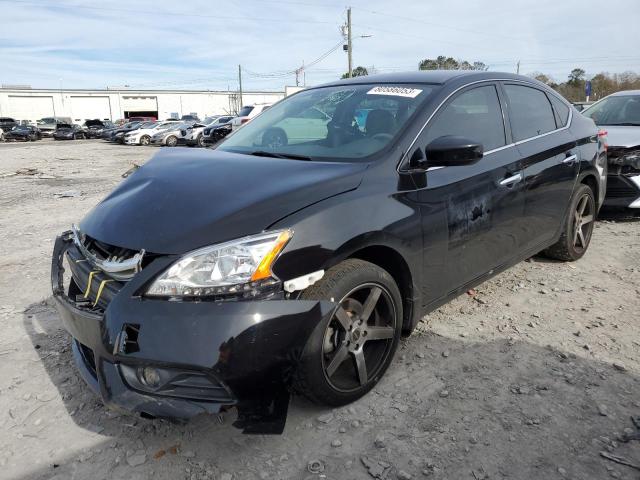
532, 375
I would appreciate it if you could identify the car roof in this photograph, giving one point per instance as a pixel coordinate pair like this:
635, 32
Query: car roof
624, 93
431, 76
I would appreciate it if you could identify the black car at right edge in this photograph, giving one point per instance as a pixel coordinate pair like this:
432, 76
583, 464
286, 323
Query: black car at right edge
294, 256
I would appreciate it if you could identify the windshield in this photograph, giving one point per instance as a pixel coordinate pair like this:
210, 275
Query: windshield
346, 121
616, 110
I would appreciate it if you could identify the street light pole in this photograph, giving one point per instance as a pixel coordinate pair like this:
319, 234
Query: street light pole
349, 43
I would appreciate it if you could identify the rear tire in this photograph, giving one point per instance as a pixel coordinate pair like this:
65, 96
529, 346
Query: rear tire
145, 140
171, 141
348, 353
577, 229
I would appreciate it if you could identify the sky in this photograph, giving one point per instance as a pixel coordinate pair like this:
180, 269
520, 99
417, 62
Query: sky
199, 44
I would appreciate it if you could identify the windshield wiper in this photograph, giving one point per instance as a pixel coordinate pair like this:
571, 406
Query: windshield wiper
292, 156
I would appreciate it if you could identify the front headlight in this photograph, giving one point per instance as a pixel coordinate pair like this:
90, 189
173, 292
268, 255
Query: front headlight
241, 265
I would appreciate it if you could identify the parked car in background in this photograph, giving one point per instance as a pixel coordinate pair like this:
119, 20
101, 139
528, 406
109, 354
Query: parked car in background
27, 133
619, 115
1, 135
69, 132
48, 125
142, 135
580, 106
95, 128
7, 123
118, 134
142, 119
189, 118
194, 135
247, 113
217, 130
170, 136
293, 284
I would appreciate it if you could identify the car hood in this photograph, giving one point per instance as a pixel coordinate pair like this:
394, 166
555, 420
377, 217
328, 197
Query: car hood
622, 136
182, 200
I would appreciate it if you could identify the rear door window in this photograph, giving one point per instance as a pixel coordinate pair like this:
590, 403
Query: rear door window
475, 115
530, 112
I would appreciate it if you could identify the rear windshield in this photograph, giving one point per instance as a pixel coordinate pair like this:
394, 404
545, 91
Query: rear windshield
245, 111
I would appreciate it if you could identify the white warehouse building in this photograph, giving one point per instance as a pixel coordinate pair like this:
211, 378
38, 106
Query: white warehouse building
23, 103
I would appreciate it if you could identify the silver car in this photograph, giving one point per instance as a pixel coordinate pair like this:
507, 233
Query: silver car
619, 116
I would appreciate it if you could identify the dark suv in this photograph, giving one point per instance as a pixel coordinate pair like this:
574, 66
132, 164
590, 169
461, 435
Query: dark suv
294, 256
7, 124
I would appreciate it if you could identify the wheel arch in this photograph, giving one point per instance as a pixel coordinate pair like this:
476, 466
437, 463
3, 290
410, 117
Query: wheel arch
386, 256
589, 178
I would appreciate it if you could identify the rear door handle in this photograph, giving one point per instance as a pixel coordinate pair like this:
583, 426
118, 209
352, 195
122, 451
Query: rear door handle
570, 159
507, 182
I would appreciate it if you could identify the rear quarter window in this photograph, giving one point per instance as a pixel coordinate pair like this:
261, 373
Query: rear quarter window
560, 110
530, 112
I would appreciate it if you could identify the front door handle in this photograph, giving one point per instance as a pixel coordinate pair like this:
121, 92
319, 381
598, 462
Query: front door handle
507, 182
570, 159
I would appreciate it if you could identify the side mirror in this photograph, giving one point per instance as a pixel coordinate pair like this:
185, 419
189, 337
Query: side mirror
451, 151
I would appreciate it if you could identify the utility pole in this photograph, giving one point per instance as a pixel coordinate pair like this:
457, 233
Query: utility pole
240, 85
349, 43
518, 68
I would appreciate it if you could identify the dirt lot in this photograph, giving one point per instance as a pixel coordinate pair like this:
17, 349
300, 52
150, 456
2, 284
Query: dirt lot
531, 377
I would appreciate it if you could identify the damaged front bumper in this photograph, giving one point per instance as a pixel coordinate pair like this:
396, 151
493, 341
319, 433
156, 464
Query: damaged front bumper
623, 179
205, 355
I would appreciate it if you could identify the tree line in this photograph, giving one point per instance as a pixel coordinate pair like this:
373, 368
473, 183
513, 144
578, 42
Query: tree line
602, 84
573, 88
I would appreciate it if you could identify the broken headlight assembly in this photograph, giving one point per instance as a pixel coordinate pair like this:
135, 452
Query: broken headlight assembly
239, 267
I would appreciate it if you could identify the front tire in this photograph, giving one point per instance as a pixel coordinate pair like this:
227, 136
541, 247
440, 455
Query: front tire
578, 227
145, 140
200, 141
347, 353
171, 141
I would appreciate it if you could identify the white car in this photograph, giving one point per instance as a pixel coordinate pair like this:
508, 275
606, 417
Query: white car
169, 136
247, 113
1, 135
143, 136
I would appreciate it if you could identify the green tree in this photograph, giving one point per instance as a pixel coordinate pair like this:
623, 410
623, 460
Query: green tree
356, 72
449, 63
576, 76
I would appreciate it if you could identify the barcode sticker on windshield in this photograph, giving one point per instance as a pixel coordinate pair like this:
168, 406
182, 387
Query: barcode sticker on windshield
395, 91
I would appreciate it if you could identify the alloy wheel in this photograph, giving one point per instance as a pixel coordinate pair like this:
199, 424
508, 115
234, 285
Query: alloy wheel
359, 337
584, 217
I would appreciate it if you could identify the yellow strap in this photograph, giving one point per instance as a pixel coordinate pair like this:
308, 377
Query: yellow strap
100, 291
86, 293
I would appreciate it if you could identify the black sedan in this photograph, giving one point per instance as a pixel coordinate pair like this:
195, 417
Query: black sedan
26, 133
96, 128
216, 132
294, 256
65, 131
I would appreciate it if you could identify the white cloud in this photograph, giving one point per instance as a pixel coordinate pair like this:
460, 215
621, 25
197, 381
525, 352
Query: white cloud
201, 43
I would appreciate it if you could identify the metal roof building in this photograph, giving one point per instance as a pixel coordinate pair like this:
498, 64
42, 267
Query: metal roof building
23, 103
